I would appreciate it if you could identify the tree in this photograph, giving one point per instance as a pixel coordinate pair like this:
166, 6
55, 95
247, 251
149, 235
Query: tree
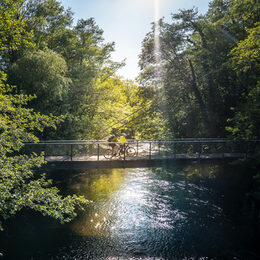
182, 99
43, 73
13, 32
199, 78
20, 187
245, 58
49, 21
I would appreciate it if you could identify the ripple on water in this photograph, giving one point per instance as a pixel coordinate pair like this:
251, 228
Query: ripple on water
145, 214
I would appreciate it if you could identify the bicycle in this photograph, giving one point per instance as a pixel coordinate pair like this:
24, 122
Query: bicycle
122, 151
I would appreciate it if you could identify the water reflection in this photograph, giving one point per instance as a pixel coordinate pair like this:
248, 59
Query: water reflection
203, 171
153, 213
100, 187
97, 183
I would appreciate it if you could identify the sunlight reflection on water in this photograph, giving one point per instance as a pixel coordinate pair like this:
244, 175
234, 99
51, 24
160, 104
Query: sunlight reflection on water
143, 213
140, 201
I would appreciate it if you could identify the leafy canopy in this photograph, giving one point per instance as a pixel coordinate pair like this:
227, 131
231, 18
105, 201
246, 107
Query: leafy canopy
20, 186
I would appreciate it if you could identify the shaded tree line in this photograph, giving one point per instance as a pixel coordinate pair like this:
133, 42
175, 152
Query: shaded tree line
208, 79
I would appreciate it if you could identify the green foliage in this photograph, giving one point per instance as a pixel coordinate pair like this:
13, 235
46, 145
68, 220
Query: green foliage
246, 121
12, 24
70, 71
245, 58
246, 54
47, 19
209, 64
20, 186
42, 73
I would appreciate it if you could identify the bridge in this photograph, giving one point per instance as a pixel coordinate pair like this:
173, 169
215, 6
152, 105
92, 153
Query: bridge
98, 153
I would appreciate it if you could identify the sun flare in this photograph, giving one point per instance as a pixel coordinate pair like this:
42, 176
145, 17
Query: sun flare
157, 36
156, 10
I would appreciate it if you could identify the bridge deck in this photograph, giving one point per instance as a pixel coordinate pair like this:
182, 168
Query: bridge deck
146, 157
145, 151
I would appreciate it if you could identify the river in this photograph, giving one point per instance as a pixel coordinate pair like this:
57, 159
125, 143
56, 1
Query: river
181, 212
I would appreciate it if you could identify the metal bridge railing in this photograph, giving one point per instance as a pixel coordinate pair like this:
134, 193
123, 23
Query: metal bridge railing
91, 150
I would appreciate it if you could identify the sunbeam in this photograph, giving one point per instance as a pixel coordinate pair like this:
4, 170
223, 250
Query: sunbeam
157, 38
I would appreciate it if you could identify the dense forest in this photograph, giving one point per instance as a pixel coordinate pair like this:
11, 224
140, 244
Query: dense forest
204, 84
58, 81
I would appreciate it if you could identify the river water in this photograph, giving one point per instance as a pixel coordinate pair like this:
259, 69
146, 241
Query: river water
185, 212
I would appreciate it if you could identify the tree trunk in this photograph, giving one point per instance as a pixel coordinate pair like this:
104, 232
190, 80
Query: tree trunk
198, 96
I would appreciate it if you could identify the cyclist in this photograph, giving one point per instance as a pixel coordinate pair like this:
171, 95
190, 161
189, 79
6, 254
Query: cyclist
122, 141
113, 139
119, 146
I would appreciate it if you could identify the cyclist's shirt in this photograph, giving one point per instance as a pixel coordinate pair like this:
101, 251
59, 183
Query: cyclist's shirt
122, 139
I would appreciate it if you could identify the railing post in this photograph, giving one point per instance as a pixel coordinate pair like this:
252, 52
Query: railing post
150, 150
71, 152
159, 146
174, 150
124, 151
137, 148
45, 146
98, 152
200, 149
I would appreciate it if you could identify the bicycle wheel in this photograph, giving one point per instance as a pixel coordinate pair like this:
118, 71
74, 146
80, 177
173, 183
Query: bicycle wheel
130, 151
108, 154
119, 153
